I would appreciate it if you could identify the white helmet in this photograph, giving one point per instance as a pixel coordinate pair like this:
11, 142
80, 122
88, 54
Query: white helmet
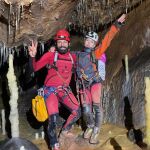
92, 35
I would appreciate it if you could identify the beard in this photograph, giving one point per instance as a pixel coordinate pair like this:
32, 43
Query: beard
62, 50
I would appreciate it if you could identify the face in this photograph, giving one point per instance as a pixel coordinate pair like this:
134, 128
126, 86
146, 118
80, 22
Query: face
62, 46
89, 43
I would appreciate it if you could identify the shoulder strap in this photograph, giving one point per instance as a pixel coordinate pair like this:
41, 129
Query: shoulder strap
71, 58
49, 66
93, 58
55, 57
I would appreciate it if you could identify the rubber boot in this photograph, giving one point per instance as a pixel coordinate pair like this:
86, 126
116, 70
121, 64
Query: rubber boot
89, 119
51, 131
98, 113
56, 147
87, 134
94, 136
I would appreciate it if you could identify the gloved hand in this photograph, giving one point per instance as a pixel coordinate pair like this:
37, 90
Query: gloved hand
120, 21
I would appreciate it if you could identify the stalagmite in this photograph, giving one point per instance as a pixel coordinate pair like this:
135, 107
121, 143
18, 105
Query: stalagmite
14, 117
22, 148
36, 136
42, 134
147, 110
126, 68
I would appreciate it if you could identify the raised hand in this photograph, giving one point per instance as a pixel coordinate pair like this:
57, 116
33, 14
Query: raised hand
33, 49
122, 19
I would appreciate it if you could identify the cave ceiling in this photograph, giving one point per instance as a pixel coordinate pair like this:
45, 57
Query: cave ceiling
21, 20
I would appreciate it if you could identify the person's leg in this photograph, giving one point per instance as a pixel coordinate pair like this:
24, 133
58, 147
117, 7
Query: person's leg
86, 101
98, 111
52, 108
70, 102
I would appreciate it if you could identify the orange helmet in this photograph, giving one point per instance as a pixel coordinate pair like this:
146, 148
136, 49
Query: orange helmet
62, 35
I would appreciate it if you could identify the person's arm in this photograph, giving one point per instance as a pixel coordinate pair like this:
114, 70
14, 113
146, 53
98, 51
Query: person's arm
106, 41
109, 36
42, 61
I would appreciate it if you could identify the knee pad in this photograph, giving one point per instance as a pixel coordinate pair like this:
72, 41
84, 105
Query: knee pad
98, 114
52, 120
75, 115
78, 113
86, 108
88, 115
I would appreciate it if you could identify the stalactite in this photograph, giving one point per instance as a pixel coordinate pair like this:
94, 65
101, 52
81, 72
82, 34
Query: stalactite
25, 49
104, 2
126, 6
1, 52
6, 55
41, 3
110, 14
17, 51
16, 24
126, 68
19, 11
42, 47
108, 3
9, 18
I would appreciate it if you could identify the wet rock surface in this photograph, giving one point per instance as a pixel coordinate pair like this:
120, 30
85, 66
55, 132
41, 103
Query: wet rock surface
17, 144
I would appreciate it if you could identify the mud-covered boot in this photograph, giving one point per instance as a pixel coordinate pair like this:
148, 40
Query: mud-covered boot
56, 147
68, 134
94, 136
87, 134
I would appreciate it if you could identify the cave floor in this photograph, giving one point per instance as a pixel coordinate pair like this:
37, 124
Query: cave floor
111, 138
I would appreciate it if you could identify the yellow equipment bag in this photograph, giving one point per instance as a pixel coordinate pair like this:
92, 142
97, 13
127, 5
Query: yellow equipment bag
39, 108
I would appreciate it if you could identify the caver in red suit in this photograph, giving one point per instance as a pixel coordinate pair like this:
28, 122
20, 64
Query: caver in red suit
56, 87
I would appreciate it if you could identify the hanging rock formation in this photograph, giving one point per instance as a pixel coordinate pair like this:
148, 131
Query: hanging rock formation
40, 19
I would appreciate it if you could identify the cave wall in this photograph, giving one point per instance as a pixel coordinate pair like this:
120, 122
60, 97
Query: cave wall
133, 37
124, 101
3, 29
